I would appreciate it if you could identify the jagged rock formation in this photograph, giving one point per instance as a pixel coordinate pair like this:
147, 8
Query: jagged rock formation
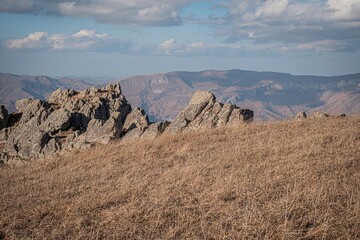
204, 112
71, 119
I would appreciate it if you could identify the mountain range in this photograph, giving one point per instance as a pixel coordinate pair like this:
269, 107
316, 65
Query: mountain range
14, 87
271, 95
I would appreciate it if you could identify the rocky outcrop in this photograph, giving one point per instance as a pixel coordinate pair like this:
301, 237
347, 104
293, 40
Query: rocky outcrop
69, 119
73, 120
316, 115
204, 112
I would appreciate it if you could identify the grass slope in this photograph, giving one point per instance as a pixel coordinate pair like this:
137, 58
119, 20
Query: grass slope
276, 180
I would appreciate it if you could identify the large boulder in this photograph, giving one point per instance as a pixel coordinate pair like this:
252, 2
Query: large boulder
25, 143
103, 131
31, 109
58, 120
200, 101
203, 112
4, 117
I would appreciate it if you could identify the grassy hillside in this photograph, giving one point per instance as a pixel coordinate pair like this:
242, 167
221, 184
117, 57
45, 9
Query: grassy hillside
278, 180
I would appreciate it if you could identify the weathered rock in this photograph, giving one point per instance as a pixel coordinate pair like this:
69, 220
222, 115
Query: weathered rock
60, 119
3, 158
154, 130
136, 119
133, 134
114, 88
60, 96
26, 144
103, 131
300, 116
4, 117
33, 109
22, 104
317, 115
198, 103
203, 112
224, 114
4, 134
52, 146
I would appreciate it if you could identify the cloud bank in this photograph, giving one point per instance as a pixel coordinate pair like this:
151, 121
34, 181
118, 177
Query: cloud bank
267, 26
332, 25
139, 12
81, 40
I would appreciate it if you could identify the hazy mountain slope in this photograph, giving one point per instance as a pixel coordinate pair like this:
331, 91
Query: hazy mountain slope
14, 87
271, 95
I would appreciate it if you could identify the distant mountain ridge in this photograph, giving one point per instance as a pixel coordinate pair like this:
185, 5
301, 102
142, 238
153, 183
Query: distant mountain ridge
14, 87
271, 95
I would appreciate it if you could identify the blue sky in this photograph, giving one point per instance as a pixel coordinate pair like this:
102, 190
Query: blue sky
118, 38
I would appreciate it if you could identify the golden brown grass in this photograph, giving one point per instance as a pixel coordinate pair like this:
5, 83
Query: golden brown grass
279, 180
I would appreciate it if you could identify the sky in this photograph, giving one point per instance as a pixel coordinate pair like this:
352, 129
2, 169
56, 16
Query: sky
118, 38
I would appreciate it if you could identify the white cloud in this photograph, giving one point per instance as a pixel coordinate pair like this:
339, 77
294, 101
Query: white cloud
90, 33
344, 9
141, 12
199, 44
322, 45
82, 40
292, 23
272, 8
168, 44
31, 41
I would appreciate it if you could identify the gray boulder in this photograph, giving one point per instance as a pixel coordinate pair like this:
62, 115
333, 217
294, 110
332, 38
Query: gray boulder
224, 114
58, 120
154, 130
301, 116
203, 112
30, 109
136, 119
62, 95
25, 143
200, 101
103, 131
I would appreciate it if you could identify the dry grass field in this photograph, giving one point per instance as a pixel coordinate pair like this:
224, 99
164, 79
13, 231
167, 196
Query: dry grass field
274, 180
